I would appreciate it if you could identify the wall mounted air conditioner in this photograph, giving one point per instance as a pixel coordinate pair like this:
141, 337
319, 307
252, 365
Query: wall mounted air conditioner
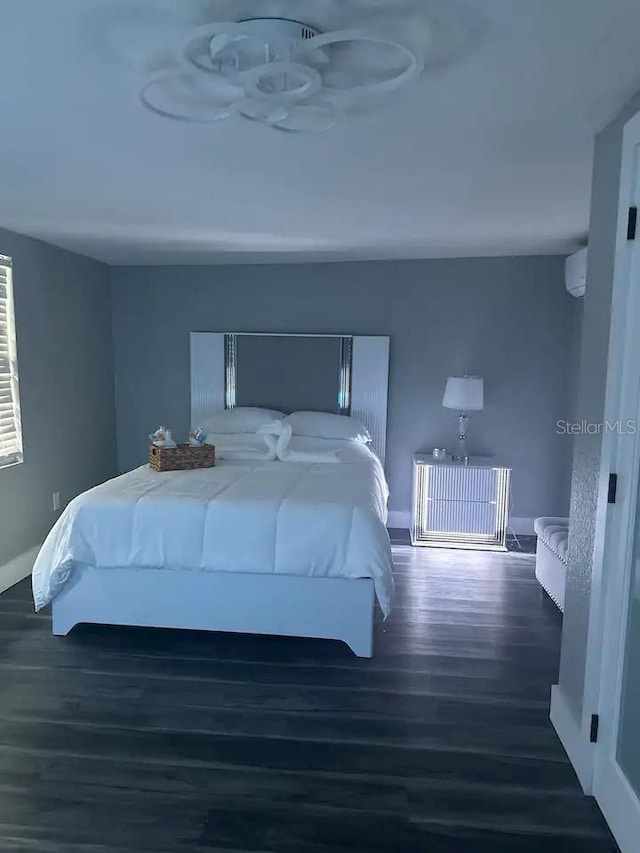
575, 273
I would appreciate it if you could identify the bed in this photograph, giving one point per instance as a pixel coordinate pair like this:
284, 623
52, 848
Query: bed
268, 547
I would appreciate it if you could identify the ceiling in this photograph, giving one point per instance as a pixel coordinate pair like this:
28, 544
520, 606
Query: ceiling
487, 153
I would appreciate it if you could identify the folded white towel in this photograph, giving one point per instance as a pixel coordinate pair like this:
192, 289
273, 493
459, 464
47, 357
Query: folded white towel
272, 428
240, 446
286, 454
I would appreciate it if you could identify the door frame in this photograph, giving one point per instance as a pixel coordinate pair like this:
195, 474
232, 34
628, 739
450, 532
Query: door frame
620, 454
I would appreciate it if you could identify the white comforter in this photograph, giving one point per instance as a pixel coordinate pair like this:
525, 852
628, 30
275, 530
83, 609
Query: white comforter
315, 520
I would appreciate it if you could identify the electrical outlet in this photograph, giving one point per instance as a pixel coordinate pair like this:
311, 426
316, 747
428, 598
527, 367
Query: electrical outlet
56, 501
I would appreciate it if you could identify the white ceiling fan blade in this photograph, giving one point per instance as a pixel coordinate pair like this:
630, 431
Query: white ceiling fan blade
186, 96
220, 41
263, 111
310, 118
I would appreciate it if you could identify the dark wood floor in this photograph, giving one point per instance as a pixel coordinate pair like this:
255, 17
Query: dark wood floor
120, 740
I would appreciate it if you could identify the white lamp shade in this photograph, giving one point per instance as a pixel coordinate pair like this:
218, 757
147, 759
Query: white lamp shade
464, 393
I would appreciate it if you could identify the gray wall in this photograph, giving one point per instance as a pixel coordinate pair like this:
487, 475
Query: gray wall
63, 325
588, 491
508, 319
575, 338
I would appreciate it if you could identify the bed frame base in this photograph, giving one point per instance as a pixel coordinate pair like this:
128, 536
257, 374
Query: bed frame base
284, 605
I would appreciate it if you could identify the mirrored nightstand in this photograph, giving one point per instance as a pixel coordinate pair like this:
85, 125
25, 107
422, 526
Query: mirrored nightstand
460, 506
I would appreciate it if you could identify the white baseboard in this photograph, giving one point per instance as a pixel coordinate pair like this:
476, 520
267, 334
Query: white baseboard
574, 740
18, 569
402, 519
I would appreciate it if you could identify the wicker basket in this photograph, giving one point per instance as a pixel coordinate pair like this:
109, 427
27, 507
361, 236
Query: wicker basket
181, 458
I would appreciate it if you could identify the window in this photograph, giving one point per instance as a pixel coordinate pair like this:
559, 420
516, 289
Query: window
10, 428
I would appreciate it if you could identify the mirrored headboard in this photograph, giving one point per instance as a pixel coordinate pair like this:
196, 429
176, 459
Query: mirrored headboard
344, 374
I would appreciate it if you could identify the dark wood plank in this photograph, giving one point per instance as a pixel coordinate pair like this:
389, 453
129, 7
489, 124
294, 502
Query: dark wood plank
121, 740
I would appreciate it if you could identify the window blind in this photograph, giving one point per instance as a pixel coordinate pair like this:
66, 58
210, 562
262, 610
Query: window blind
10, 427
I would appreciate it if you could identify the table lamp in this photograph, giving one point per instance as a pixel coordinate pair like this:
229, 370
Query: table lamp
466, 394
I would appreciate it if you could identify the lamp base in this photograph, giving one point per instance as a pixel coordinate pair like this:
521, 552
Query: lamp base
462, 454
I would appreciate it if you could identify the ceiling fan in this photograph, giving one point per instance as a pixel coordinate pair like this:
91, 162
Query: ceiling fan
279, 72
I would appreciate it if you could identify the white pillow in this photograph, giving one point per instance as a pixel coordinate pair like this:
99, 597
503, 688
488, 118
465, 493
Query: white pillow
325, 425
346, 451
241, 419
